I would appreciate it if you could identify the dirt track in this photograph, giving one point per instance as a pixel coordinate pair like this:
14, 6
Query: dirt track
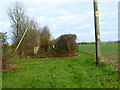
115, 64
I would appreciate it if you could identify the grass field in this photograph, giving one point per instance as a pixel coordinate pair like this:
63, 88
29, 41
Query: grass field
109, 51
67, 72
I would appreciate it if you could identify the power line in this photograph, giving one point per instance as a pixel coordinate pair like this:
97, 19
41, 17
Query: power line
37, 8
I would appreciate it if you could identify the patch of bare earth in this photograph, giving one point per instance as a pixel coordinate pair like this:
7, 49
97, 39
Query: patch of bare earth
9, 67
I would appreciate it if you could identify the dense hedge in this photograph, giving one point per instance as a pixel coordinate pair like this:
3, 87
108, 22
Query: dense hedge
65, 45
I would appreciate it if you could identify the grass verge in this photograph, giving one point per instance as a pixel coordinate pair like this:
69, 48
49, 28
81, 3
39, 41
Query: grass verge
67, 72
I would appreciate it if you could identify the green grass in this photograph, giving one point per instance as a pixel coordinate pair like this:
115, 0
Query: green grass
109, 51
67, 72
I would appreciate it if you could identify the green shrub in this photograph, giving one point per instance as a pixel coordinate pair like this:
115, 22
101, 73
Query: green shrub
5, 50
66, 45
6, 56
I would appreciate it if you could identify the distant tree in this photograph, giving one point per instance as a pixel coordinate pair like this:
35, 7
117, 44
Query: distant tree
45, 37
17, 17
31, 38
3, 39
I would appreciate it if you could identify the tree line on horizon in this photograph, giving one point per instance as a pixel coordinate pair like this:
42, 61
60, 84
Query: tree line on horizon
102, 42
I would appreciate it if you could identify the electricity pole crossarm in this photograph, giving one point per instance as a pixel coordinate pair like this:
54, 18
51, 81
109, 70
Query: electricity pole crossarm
21, 39
97, 31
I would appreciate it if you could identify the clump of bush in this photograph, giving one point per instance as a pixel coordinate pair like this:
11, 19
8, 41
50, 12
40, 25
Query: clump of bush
5, 51
6, 56
45, 36
65, 45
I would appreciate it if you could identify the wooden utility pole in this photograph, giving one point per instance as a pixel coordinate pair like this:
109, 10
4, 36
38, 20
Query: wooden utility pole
97, 32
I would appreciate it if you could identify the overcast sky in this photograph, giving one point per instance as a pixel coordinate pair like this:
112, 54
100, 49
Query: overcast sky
68, 17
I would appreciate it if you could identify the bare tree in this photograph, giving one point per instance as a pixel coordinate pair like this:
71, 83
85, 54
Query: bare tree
17, 18
19, 23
